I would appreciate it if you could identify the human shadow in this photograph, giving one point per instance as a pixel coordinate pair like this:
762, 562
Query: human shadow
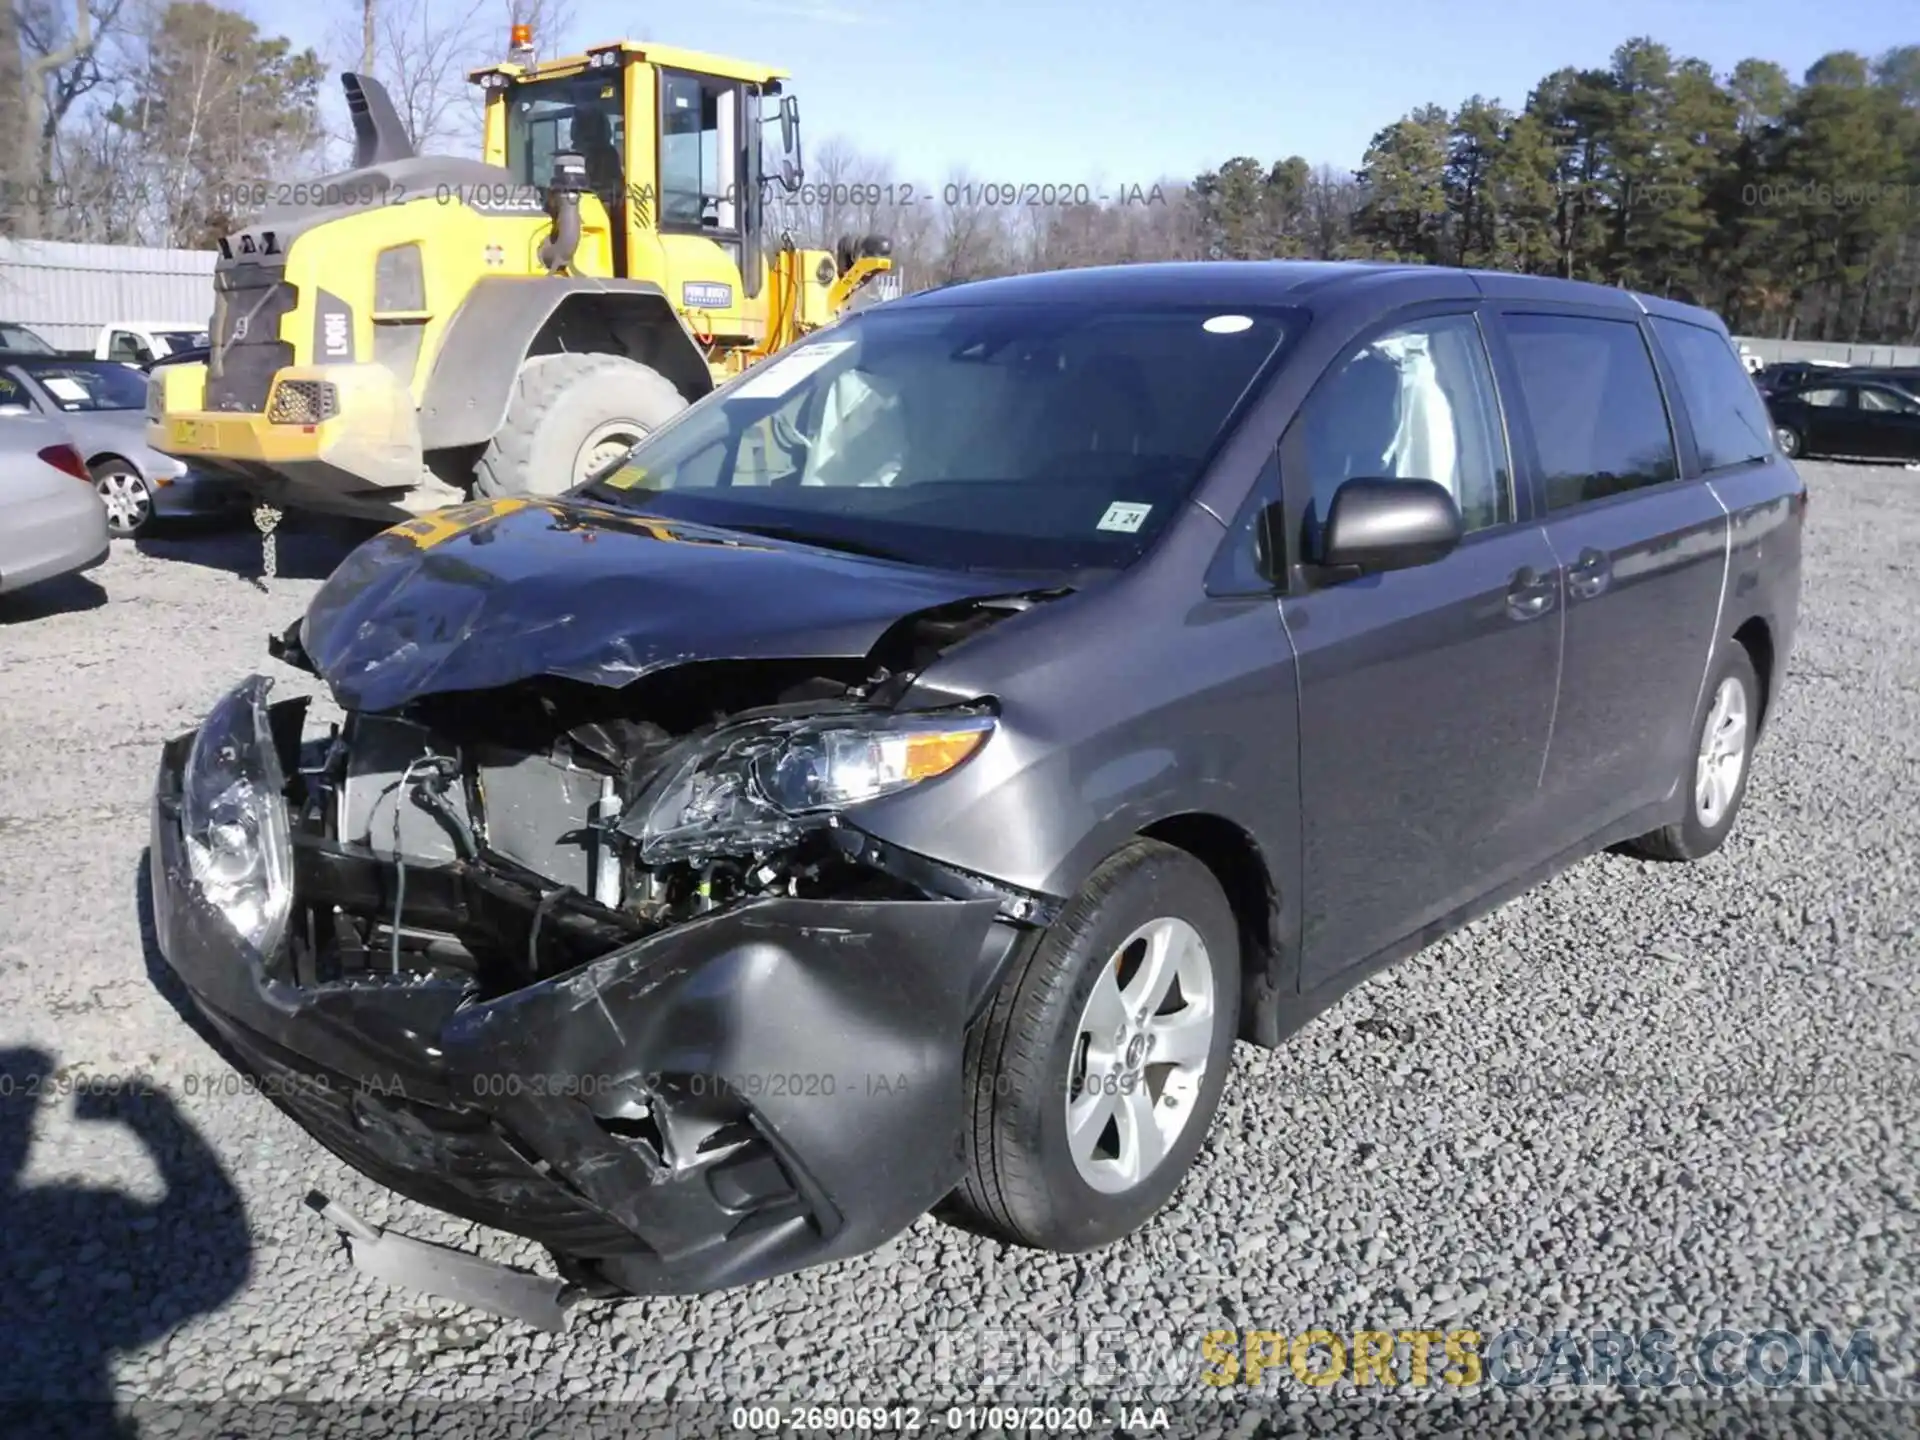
86, 1271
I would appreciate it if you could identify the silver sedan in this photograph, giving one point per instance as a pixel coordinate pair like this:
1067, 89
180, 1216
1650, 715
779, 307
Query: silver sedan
102, 404
52, 519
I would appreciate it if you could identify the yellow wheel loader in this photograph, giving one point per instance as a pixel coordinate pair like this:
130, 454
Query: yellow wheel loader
421, 330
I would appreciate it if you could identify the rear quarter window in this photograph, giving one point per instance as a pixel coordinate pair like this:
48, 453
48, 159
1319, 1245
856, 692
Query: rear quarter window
1730, 424
1593, 405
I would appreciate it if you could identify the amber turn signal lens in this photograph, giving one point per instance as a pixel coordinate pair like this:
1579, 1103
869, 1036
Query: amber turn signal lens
931, 755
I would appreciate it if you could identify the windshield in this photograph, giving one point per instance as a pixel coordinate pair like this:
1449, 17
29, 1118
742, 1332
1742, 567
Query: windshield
79, 385
582, 114
1049, 438
24, 341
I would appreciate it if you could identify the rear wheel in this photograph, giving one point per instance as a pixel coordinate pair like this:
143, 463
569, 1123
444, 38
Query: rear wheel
568, 416
1095, 1074
1716, 781
1789, 441
125, 493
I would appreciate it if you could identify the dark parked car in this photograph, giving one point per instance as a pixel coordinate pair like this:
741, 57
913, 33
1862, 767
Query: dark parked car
1863, 419
195, 355
912, 768
1792, 374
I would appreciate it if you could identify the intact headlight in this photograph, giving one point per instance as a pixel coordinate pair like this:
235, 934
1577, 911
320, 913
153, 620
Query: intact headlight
756, 786
234, 817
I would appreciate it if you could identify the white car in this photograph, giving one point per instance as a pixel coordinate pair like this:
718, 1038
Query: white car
141, 341
52, 519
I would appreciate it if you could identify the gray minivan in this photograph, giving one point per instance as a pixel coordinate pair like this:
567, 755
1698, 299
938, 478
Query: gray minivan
910, 770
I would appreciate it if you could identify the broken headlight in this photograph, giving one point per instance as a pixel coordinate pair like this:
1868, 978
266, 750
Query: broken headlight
234, 817
756, 786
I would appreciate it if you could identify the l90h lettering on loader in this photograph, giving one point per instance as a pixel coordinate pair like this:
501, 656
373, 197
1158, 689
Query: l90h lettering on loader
430, 329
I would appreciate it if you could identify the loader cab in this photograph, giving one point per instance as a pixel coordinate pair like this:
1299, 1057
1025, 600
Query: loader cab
680, 147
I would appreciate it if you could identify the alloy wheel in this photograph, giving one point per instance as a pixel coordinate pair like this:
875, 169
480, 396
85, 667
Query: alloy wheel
1140, 1055
128, 500
1723, 753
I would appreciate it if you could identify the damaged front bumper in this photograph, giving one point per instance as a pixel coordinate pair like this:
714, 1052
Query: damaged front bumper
750, 1092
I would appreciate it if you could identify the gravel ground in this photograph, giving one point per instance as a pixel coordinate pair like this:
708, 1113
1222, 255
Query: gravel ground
1642, 1096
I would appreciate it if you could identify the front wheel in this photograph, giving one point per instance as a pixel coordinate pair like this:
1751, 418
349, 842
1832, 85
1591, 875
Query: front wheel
569, 416
1789, 441
1095, 1074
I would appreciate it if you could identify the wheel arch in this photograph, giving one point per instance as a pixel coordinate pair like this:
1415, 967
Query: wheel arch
1755, 636
1234, 857
504, 321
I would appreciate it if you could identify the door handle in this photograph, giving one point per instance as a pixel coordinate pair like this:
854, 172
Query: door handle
1529, 593
1588, 575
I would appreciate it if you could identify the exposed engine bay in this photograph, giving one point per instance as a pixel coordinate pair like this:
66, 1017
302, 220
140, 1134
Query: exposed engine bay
508, 836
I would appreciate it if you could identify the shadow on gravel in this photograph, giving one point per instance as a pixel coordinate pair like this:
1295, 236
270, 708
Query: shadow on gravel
63, 595
309, 547
86, 1271
161, 975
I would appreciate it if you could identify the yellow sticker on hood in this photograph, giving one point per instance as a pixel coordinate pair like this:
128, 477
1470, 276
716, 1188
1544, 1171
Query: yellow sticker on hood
435, 527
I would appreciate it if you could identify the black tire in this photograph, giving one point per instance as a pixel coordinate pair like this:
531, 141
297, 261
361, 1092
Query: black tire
1021, 1182
130, 511
558, 403
1692, 838
1789, 441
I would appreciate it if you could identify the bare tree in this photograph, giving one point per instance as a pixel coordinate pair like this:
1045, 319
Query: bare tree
58, 69
223, 119
421, 51
14, 182
970, 231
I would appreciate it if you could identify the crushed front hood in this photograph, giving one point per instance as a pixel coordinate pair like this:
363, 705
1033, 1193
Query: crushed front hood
491, 593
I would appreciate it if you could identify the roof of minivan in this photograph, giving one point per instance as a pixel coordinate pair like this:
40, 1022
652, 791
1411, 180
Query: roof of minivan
1250, 282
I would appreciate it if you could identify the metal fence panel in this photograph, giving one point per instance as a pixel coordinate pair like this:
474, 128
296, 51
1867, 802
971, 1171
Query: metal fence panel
66, 292
1774, 351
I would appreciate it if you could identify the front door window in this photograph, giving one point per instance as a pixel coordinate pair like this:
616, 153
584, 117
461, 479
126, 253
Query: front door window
700, 150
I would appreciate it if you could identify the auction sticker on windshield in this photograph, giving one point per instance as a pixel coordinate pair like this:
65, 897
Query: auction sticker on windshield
1124, 517
776, 377
63, 388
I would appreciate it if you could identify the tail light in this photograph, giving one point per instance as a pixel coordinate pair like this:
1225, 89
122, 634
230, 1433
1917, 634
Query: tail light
65, 457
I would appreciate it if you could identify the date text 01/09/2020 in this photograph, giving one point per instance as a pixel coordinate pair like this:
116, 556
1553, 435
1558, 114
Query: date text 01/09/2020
892, 195
967, 1419
992, 194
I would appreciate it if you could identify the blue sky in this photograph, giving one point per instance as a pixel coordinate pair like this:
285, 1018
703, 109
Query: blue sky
1126, 91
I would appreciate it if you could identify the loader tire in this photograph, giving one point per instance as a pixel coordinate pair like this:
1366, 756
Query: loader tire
569, 412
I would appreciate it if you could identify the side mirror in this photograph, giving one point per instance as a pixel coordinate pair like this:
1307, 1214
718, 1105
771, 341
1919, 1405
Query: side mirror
789, 123
789, 174
1376, 525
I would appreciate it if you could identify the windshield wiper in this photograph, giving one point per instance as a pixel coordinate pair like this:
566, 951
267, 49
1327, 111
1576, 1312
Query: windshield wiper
825, 542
